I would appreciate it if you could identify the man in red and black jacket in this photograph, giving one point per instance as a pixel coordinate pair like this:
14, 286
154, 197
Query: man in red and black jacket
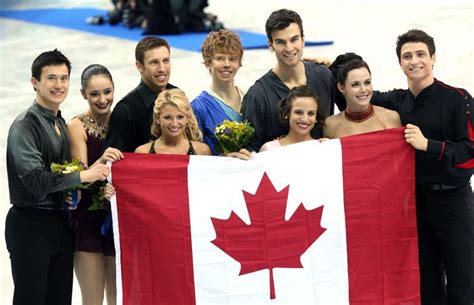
439, 125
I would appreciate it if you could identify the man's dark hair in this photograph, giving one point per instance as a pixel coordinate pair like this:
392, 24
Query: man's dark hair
415, 36
149, 43
49, 58
281, 19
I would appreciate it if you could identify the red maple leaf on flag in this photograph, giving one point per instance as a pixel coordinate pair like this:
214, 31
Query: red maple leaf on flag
269, 241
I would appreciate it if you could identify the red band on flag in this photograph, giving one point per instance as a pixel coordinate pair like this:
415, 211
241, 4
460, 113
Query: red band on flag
155, 248
372, 201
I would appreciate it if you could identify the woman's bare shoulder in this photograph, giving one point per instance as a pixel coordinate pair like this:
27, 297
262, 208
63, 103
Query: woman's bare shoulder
333, 119
76, 128
201, 148
331, 123
392, 118
144, 149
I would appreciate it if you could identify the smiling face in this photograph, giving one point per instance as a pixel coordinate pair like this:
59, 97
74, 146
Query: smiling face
156, 68
52, 87
357, 89
302, 116
172, 121
287, 45
416, 62
223, 67
99, 93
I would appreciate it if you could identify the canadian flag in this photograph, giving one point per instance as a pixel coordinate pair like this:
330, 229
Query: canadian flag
312, 223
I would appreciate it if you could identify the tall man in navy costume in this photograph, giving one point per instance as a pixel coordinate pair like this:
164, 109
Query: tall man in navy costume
439, 120
130, 121
260, 106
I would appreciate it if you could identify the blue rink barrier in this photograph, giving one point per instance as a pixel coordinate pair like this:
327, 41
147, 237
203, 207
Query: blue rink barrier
75, 19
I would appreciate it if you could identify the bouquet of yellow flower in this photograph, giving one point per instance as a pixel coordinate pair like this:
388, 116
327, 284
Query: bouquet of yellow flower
232, 135
68, 168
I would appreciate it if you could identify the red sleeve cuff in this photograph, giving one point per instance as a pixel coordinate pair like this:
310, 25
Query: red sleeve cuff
436, 148
443, 146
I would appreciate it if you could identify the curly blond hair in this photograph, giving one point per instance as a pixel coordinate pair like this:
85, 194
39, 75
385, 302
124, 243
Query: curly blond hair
177, 98
222, 41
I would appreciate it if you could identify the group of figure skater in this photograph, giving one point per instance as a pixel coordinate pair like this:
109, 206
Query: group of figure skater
293, 102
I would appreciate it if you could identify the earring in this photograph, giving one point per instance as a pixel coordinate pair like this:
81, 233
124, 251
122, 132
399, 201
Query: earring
286, 117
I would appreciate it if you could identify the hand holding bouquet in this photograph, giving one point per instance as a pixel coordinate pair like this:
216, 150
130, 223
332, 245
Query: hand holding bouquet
69, 168
232, 135
101, 190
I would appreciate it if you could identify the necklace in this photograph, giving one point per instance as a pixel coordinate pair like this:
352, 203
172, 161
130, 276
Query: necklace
93, 127
359, 116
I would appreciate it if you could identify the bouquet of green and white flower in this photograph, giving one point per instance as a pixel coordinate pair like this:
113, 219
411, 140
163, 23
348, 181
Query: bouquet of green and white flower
69, 168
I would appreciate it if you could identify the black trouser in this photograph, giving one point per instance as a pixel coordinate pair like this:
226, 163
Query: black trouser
446, 246
41, 254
